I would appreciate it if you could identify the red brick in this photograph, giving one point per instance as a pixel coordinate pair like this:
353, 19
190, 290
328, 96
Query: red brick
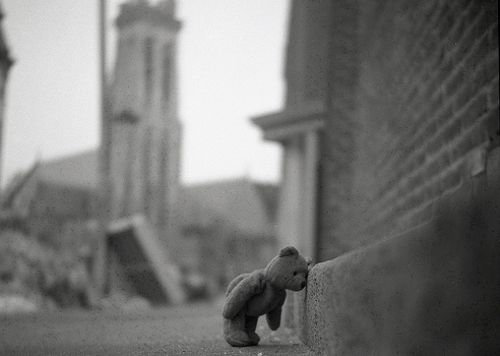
456, 81
458, 31
493, 93
452, 179
488, 17
479, 51
464, 145
446, 21
433, 145
425, 213
494, 35
492, 127
432, 169
487, 73
474, 110
431, 191
429, 91
450, 132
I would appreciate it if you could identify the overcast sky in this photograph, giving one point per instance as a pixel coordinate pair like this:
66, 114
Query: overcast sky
231, 57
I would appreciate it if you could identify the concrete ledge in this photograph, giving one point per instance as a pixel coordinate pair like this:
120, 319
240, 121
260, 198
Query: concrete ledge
432, 291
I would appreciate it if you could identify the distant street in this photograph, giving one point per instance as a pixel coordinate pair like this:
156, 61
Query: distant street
185, 330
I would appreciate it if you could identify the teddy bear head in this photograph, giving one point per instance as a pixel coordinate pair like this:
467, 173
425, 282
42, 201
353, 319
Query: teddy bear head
288, 270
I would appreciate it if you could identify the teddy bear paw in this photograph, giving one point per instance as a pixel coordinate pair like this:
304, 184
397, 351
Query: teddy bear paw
240, 339
254, 337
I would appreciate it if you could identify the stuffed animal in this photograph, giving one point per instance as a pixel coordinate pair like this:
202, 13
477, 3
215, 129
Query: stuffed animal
263, 291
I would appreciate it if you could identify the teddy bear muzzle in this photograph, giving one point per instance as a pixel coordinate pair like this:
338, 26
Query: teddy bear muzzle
297, 284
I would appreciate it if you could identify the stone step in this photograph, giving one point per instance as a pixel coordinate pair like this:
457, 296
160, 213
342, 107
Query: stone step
434, 290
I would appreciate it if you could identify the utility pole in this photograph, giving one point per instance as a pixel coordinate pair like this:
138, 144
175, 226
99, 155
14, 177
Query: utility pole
5, 64
104, 190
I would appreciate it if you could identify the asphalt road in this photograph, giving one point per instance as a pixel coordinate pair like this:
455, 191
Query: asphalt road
185, 330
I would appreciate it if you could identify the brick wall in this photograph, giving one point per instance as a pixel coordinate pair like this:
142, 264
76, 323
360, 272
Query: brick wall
337, 139
413, 114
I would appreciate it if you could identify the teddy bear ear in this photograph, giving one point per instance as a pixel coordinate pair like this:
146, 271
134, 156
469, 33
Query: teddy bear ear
288, 251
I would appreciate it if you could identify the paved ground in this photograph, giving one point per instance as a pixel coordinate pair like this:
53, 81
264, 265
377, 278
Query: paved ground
186, 330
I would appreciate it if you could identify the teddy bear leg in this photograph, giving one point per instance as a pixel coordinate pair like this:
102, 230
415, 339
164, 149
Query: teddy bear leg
273, 318
235, 333
250, 326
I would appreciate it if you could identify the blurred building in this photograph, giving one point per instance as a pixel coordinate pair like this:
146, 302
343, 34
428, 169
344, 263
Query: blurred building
391, 144
390, 105
228, 228
144, 125
54, 192
213, 231
224, 228
5, 64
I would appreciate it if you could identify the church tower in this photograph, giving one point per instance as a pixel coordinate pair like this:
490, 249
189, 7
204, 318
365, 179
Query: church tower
145, 129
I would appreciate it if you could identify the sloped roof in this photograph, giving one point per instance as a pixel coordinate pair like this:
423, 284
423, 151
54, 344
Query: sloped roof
19, 191
76, 171
244, 206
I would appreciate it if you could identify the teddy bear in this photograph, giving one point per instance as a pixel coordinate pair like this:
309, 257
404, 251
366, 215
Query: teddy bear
263, 291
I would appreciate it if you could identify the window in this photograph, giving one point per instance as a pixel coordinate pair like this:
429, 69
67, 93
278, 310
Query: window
148, 66
167, 71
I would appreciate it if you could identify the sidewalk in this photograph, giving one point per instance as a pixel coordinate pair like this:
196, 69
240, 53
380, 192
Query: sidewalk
184, 330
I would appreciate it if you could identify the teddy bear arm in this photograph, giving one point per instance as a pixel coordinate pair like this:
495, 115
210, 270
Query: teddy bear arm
241, 294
